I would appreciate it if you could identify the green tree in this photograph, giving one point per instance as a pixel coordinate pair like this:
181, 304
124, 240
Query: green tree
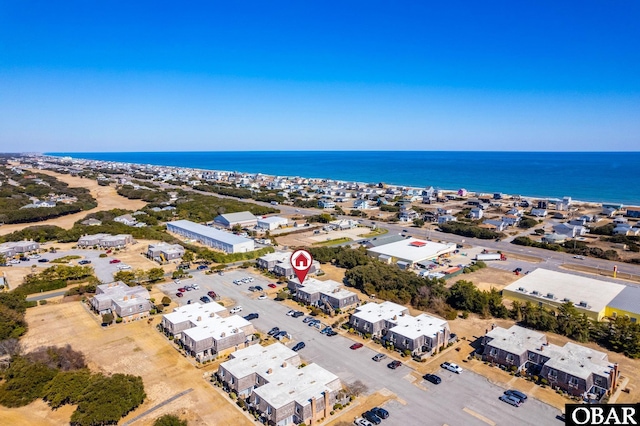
166, 301
155, 274
107, 318
127, 277
169, 420
418, 222
188, 255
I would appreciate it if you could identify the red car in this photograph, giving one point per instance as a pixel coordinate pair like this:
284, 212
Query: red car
272, 285
212, 294
179, 294
356, 346
114, 261
182, 289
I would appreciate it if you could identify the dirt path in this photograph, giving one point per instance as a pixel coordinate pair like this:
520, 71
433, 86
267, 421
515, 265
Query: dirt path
106, 196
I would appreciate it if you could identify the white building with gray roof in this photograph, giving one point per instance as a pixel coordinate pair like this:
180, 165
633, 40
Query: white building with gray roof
211, 237
243, 219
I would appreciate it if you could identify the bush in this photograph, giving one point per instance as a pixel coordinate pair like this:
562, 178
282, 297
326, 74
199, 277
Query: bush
118, 320
169, 420
103, 255
107, 318
43, 302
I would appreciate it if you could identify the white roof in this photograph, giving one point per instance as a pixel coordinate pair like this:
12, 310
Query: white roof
287, 384
579, 361
206, 231
193, 311
516, 339
576, 288
237, 217
374, 312
272, 219
328, 287
215, 327
281, 256
413, 250
259, 359
421, 325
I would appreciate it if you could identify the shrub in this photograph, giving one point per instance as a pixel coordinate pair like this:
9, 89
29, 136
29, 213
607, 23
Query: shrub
102, 255
43, 302
118, 320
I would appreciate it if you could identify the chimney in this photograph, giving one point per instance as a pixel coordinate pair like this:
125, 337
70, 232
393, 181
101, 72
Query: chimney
284, 364
269, 371
313, 411
327, 409
199, 319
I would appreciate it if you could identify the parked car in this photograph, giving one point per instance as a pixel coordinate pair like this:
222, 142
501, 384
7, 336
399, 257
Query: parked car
298, 346
451, 367
510, 400
362, 422
326, 330
262, 297
313, 322
332, 333
114, 261
202, 267
123, 267
24, 259
182, 289
356, 346
258, 288
273, 331
432, 378
236, 310
251, 316
394, 364
516, 394
252, 288
14, 261
43, 260
179, 294
212, 294
84, 262
281, 334
272, 285
291, 312
380, 412
372, 417
205, 299
378, 357
297, 314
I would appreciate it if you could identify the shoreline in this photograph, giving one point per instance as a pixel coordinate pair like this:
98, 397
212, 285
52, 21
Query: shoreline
329, 179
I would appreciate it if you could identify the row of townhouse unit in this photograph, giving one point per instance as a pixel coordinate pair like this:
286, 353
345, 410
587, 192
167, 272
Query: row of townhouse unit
105, 240
128, 303
206, 331
13, 248
578, 370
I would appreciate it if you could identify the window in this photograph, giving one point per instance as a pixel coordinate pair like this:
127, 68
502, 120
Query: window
553, 374
233, 380
614, 314
493, 352
257, 400
573, 381
634, 319
297, 409
599, 381
532, 356
510, 358
269, 409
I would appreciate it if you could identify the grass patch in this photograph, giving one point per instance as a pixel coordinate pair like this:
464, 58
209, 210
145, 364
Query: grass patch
65, 259
333, 242
375, 233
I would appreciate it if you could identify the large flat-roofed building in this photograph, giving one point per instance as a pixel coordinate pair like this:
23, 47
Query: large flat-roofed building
188, 316
211, 237
12, 248
375, 318
576, 369
243, 219
411, 251
272, 222
163, 252
247, 368
626, 303
213, 335
128, 303
552, 289
327, 294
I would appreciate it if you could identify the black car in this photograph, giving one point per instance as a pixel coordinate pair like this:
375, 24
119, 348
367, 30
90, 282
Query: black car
251, 316
43, 260
84, 262
297, 314
517, 394
258, 288
332, 333
298, 346
204, 299
432, 378
24, 259
273, 331
394, 364
369, 415
380, 412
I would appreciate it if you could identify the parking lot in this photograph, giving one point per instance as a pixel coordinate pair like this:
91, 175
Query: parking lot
467, 398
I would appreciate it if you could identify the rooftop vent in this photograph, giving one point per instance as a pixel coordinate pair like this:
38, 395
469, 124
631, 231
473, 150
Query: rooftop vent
566, 299
522, 289
550, 296
535, 292
583, 303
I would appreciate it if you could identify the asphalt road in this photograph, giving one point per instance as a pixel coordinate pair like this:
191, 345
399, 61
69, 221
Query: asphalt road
465, 399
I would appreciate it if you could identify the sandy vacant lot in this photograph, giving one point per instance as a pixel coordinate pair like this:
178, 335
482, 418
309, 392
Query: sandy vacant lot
487, 278
136, 348
106, 196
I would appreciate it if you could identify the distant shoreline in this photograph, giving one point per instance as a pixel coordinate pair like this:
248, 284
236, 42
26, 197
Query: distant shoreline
321, 163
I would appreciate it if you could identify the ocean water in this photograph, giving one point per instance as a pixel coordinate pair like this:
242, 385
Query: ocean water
585, 176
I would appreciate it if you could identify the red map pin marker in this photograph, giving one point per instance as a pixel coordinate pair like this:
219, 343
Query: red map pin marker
301, 261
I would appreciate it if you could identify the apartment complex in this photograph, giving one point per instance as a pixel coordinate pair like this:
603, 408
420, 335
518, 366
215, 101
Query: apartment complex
578, 370
327, 294
277, 388
105, 240
128, 303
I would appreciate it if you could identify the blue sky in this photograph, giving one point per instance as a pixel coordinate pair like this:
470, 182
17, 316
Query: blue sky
162, 76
